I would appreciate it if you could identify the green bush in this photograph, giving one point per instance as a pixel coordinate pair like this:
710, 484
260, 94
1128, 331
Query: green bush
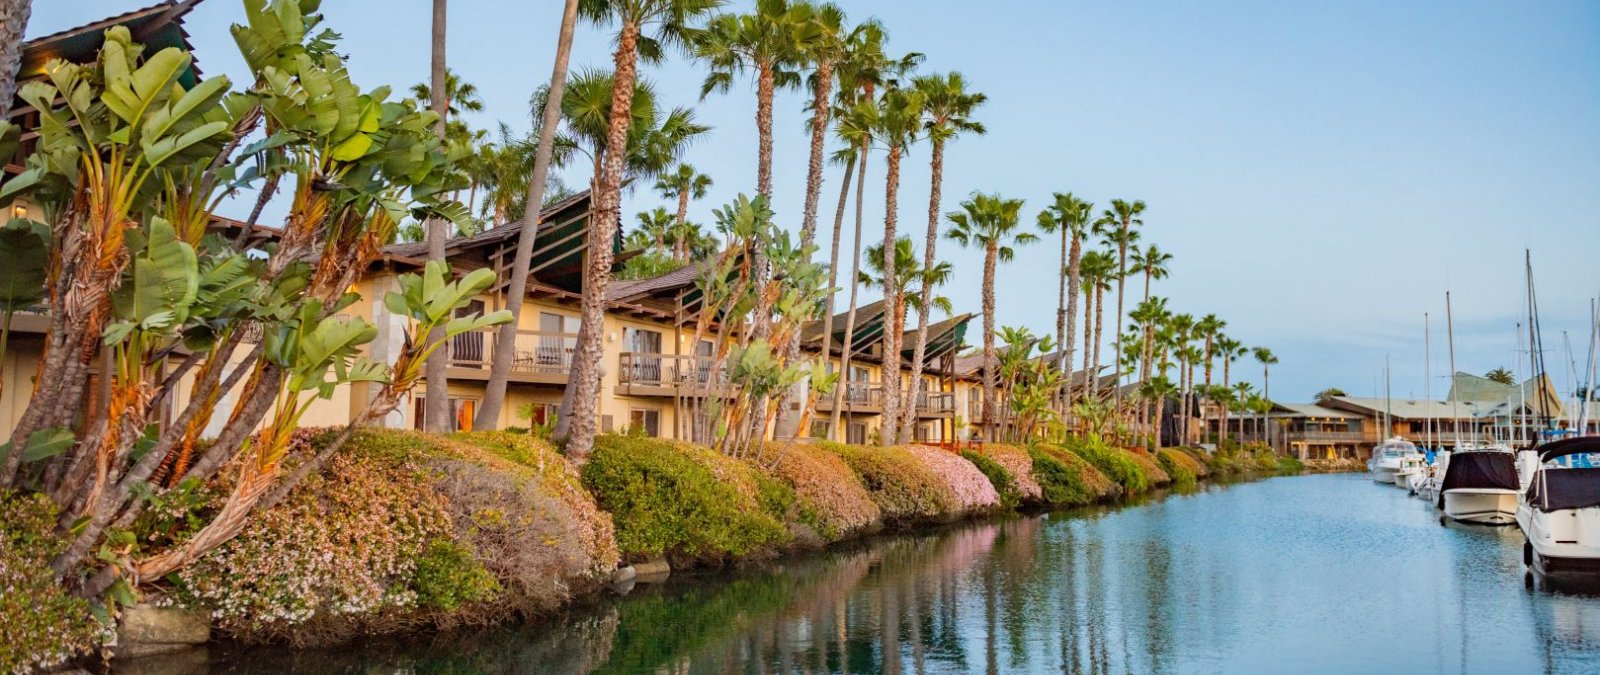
998, 476
1287, 464
448, 577
903, 487
1178, 465
830, 499
1114, 463
41, 624
666, 501
1066, 479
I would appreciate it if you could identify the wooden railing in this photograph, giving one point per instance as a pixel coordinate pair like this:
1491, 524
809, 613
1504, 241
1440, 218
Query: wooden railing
935, 402
670, 370
1325, 436
537, 352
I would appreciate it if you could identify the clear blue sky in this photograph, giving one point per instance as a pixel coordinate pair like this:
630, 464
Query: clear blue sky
1322, 172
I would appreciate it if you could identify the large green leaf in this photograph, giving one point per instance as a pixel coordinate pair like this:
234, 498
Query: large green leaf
187, 110
22, 272
130, 95
42, 444
163, 282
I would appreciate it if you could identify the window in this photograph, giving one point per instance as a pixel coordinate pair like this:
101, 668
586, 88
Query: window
461, 412
645, 421
857, 434
557, 340
819, 428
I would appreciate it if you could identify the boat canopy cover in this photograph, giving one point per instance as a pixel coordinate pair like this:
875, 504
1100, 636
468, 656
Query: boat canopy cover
1568, 446
1481, 470
1562, 489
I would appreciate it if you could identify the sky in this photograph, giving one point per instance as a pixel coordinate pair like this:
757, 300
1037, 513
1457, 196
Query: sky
1322, 173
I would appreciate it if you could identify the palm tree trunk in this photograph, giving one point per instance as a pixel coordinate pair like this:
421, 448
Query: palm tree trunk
680, 248
833, 283
990, 257
1074, 254
1122, 280
505, 343
855, 288
13, 26
891, 340
583, 392
436, 412
1093, 384
1063, 363
1226, 366
1099, 329
936, 165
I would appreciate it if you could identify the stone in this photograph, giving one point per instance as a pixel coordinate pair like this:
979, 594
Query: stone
146, 629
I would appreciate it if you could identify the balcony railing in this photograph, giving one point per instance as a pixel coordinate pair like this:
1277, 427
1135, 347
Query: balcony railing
537, 352
639, 369
857, 396
935, 402
1325, 436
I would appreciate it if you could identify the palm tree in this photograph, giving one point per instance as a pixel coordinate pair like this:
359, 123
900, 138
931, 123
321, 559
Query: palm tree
1069, 216
1265, 357
993, 224
654, 227
1153, 263
683, 183
646, 26
899, 120
13, 25
1121, 218
864, 67
505, 340
460, 96
773, 41
1096, 271
1230, 350
1209, 328
910, 288
822, 53
948, 108
436, 409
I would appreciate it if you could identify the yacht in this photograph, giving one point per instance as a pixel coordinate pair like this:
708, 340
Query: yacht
1559, 512
1480, 486
1410, 468
1386, 459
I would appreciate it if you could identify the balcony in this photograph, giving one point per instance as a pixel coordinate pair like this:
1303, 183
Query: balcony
935, 404
644, 374
1320, 436
541, 357
859, 397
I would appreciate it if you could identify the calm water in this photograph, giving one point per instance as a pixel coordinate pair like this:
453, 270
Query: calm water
1325, 573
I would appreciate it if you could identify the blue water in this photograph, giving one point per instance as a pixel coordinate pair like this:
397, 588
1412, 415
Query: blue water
1310, 574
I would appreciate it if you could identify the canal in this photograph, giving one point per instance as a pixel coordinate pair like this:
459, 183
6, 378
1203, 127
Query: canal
1323, 573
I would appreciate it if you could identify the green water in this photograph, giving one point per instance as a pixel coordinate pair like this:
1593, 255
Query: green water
1327, 573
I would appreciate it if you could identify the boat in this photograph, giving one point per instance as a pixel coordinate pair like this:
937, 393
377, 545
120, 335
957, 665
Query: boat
1480, 486
1386, 459
1559, 512
1410, 467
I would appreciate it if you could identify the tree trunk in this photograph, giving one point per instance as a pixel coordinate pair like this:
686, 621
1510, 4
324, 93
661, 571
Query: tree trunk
13, 28
1074, 254
936, 169
1063, 363
1099, 328
1091, 371
833, 283
680, 248
855, 289
1122, 278
1226, 363
505, 343
584, 387
891, 338
436, 412
990, 254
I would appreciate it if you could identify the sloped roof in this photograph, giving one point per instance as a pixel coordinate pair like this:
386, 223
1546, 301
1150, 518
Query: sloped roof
943, 337
500, 233
1469, 387
678, 279
1313, 410
868, 328
1409, 409
159, 25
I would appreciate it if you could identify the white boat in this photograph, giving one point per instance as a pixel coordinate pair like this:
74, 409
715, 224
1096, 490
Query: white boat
1410, 467
1386, 459
1559, 513
1480, 486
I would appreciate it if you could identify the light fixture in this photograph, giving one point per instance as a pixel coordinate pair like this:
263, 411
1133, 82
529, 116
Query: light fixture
19, 211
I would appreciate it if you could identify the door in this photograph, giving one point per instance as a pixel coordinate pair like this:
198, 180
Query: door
557, 340
645, 346
466, 349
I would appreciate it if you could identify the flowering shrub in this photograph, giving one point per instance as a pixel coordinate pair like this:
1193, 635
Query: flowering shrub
665, 501
1154, 474
1017, 463
829, 496
973, 491
41, 625
1065, 479
1117, 464
904, 487
998, 476
343, 546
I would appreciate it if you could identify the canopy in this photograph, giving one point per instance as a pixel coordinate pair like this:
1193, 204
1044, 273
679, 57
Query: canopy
1561, 489
1479, 470
1568, 446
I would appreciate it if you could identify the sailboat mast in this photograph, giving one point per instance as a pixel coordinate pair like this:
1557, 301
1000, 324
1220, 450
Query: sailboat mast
1450, 332
1535, 345
1388, 402
1427, 380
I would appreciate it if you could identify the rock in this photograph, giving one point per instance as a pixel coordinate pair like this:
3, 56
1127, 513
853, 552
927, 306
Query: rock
145, 629
652, 572
624, 574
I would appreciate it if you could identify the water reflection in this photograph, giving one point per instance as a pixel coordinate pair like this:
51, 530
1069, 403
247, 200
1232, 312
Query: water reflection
1310, 574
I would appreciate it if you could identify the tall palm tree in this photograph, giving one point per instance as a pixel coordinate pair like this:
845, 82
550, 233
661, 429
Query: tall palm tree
1180, 335
911, 287
683, 183
1208, 329
947, 110
1096, 271
773, 41
1122, 217
13, 26
1152, 262
645, 28
654, 226
1230, 350
1069, 216
460, 96
991, 223
899, 121
436, 408
528, 230
864, 68
822, 53
1266, 358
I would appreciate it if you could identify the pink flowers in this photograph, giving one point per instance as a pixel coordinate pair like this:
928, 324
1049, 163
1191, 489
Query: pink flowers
972, 490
